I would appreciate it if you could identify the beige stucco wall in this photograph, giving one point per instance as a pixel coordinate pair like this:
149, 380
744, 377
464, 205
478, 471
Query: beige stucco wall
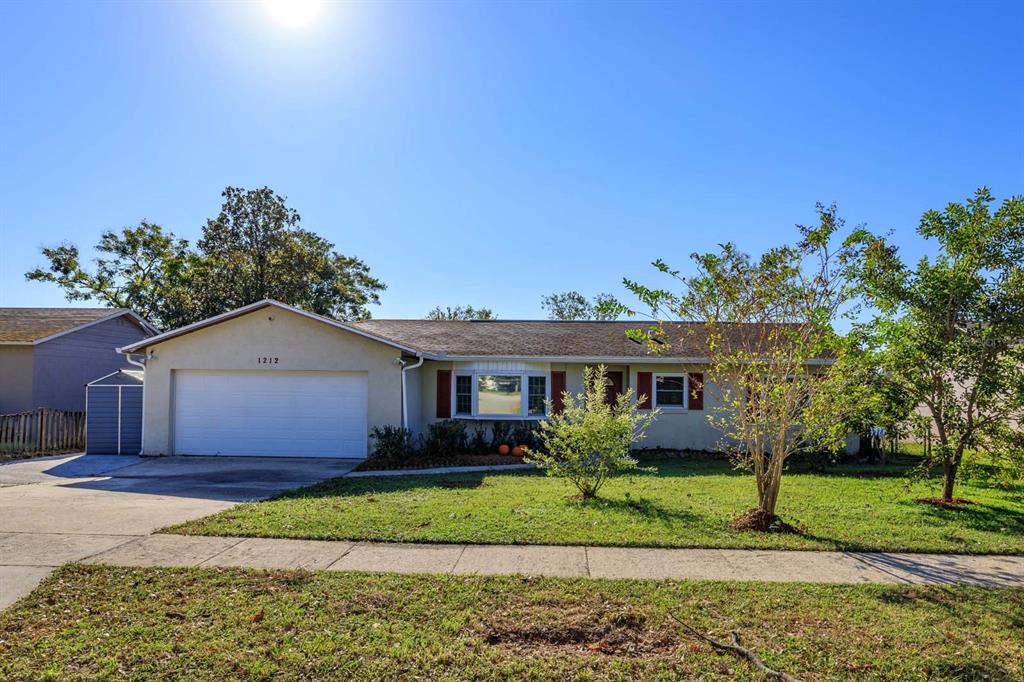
15, 379
676, 429
299, 342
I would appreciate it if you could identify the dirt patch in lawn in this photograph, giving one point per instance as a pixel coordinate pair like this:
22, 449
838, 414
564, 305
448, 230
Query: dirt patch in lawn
587, 629
758, 521
939, 502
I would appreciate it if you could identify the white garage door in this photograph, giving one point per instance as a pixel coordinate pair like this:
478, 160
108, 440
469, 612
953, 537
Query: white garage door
271, 414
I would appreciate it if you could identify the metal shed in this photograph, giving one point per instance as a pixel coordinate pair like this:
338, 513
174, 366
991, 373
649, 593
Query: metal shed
113, 407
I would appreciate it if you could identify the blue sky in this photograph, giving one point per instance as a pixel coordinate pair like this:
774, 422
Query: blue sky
489, 153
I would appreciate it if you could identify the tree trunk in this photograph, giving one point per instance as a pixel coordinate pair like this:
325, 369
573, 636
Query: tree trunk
949, 472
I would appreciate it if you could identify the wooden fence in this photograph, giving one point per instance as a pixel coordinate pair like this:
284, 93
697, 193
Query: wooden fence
42, 431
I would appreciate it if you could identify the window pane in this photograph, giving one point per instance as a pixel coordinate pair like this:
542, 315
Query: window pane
463, 395
498, 394
538, 392
670, 391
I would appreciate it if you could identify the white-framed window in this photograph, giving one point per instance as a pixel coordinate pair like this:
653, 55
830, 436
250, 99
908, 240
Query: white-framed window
670, 391
499, 394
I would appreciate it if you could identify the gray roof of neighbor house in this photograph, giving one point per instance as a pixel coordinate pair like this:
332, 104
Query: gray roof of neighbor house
537, 338
29, 325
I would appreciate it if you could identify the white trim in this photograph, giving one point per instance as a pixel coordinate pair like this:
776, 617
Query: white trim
686, 391
118, 313
119, 419
265, 303
95, 382
597, 359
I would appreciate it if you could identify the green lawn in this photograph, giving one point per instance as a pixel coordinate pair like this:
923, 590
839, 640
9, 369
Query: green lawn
89, 622
688, 503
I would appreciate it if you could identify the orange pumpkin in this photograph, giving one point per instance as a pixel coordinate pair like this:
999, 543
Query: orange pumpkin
518, 451
502, 449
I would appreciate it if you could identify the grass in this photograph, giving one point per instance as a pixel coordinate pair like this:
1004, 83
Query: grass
88, 622
687, 503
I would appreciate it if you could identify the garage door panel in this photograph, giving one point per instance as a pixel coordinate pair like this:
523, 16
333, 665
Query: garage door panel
270, 413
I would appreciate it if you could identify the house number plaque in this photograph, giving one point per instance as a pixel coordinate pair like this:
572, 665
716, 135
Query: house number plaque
265, 360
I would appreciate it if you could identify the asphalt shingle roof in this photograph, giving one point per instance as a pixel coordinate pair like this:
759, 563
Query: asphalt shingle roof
25, 325
534, 338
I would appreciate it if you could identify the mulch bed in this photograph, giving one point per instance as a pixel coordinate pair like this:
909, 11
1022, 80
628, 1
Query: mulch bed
761, 522
373, 464
939, 502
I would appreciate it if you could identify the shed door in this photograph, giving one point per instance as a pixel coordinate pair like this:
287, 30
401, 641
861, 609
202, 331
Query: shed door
270, 414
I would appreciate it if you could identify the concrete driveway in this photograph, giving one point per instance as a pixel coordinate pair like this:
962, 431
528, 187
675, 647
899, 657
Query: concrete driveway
59, 509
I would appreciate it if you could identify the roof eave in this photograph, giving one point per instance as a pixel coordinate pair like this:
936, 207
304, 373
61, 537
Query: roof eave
244, 310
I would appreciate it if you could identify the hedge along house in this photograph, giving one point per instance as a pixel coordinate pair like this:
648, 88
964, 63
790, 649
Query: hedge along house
269, 379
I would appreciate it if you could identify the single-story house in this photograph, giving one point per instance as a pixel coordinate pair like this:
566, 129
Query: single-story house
47, 355
269, 379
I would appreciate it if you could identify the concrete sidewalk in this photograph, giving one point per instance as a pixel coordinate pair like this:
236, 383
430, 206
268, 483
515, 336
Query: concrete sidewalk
59, 509
593, 562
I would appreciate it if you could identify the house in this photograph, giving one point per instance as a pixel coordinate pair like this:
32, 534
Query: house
47, 355
273, 380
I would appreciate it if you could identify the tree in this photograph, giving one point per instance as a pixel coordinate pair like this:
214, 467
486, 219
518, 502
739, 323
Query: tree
572, 305
460, 313
590, 440
784, 379
255, 249
950, 330
141, 268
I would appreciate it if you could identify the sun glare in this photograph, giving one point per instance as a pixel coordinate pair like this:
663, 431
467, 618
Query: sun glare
294, 13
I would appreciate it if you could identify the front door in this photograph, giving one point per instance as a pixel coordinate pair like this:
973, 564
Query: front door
613, 387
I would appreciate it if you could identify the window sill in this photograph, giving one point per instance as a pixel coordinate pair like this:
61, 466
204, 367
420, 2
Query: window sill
499, 417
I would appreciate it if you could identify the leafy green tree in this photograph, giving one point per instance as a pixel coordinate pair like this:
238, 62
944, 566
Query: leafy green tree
779, 380
255, 249
589, 440
142, 268
572, 305
950, 330
461, 313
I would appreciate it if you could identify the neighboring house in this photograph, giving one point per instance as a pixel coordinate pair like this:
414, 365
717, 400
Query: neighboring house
269, 379
47, 355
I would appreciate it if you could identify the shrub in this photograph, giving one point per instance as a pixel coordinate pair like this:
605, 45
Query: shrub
525, 433
590, 441
446, 437
501, 434
478, 443
393, 443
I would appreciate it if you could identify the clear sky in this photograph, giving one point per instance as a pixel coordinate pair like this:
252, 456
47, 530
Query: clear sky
489, 153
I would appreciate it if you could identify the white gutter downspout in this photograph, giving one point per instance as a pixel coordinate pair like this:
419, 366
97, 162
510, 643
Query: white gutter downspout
142, 430
405, 400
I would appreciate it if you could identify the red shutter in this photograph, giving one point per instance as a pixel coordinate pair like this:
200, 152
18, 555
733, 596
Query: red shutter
696, 391
557, 389
444, 393
643, 390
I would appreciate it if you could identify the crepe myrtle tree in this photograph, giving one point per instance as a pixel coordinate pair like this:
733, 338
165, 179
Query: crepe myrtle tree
589, 440
784, 378
950, 332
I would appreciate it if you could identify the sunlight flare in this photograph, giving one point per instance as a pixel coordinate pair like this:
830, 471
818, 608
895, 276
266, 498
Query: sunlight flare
294, 13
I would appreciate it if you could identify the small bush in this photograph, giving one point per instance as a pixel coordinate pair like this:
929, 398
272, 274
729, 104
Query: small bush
393, 443
479, 443
446, 437
590, 441
501, 434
